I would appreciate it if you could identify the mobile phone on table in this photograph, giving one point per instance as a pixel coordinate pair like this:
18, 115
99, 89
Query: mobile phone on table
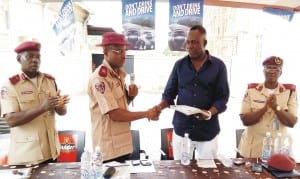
239, 162
135, 162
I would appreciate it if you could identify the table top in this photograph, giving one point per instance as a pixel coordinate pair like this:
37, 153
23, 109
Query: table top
164, 169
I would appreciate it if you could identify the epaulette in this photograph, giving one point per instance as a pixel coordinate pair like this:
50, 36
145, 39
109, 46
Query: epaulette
14, 79
103, 71
255, 85
252, 85
291, 87
49, 76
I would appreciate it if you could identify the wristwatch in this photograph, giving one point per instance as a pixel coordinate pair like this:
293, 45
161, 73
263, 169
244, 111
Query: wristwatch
278, 108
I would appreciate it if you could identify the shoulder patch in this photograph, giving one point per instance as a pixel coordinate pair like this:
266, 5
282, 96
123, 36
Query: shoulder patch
49, 76
103, 71
14, 79
291, 87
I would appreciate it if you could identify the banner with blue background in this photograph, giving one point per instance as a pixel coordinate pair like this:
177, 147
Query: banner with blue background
138, 19
183, 14
65, 27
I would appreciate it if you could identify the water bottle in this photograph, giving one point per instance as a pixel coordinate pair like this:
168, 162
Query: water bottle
185, 150
278, 144
287, 146
97, 163
267, 147
86, 170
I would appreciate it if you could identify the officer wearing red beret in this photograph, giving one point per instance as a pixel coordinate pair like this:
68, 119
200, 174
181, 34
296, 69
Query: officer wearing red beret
29, 101
267, 107
109, 99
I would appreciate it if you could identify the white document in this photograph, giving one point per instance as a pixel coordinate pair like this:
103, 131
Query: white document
210, 163
188, 110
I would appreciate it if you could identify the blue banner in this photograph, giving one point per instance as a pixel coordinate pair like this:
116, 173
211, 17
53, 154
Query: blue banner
138, 19
287, 15
65, 28
183, 14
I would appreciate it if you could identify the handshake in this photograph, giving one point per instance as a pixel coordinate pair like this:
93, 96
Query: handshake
153, 113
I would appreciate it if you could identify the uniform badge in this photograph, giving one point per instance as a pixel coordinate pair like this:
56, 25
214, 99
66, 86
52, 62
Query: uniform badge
258, 101
4, 91
26, 92
100, 87
278, 61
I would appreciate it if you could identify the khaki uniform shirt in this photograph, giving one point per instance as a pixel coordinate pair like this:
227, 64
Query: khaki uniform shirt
37, 140
107, 91
255, 99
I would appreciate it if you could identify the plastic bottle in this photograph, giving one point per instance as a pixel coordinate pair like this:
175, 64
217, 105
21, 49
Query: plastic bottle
97, 163
278, 143
267, 147
287, 145
185, 150
86, 170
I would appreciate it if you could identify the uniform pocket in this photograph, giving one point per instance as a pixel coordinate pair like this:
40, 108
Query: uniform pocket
122, 140
118, 92
27, 98
25, 149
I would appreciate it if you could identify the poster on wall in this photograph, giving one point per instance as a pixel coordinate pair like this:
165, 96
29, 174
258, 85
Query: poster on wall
65, 28
183, 14
138, 21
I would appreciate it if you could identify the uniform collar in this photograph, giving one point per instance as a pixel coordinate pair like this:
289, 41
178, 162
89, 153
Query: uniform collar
24, 77
121, 72
279, 89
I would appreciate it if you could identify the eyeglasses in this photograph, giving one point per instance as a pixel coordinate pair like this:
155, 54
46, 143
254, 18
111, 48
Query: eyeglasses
269, 69
118, 51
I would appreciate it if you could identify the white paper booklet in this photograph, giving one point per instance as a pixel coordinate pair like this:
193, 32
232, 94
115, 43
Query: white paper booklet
188, 110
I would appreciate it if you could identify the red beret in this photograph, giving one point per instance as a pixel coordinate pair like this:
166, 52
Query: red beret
28, 45
273, 60
281, 162
113, 38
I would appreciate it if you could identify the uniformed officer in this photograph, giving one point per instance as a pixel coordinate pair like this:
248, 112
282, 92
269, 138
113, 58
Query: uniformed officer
267, 107
109, 99
29, 101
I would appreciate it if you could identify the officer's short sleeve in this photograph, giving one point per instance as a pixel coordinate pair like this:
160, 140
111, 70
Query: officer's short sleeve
9, 101
103, 95
293, 104
246, 106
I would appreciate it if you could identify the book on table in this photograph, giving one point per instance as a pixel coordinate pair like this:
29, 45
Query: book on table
188, 110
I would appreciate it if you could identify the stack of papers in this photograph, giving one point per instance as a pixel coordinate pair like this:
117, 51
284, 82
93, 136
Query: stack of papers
210, 163
188, 110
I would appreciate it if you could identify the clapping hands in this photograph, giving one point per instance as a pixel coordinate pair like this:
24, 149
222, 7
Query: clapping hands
61, 100
57, 101
272, 101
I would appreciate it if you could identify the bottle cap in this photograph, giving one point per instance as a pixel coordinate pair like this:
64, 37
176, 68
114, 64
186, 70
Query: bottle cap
97, 149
